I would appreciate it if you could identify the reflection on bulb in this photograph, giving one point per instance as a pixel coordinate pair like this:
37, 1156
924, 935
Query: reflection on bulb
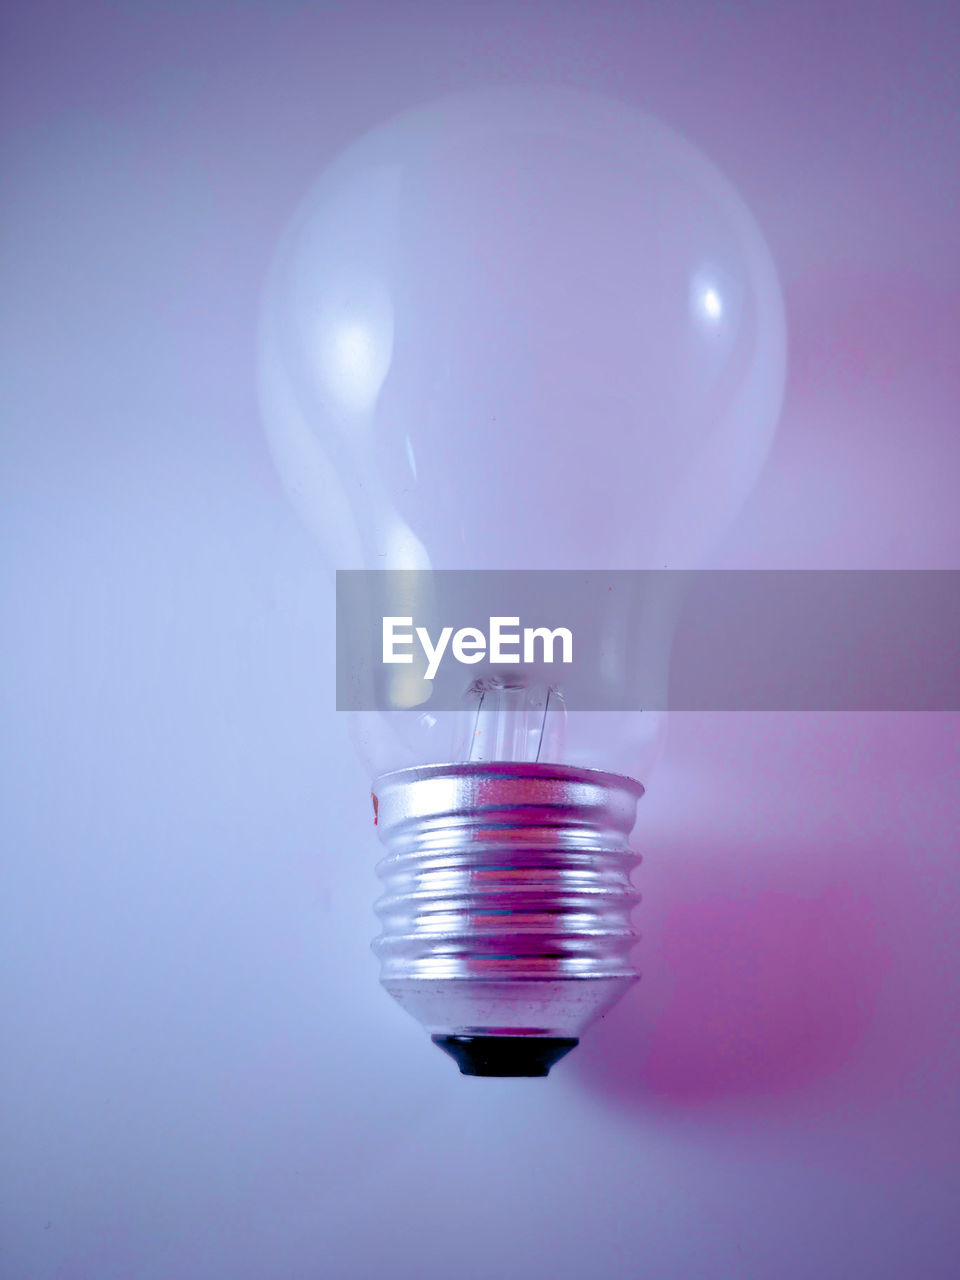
712, 306
351, 361
519, 329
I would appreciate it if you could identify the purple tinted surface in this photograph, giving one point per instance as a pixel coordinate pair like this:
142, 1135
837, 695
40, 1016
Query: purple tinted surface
200, 1075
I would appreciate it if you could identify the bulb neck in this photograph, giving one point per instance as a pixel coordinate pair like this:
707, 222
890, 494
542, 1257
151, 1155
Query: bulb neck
506, 908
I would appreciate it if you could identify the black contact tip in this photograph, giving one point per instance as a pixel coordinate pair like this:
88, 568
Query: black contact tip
505, 1055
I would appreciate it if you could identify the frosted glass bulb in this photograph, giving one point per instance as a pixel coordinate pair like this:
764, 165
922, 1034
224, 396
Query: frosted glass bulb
518, 329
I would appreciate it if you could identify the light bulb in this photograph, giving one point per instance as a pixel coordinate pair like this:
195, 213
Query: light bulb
534, 329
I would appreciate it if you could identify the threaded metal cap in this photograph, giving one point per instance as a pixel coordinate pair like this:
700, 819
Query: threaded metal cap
507, 901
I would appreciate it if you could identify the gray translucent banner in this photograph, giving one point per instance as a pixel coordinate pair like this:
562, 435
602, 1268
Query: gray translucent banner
757, 640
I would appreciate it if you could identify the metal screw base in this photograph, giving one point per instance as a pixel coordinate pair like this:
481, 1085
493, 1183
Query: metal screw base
506, 911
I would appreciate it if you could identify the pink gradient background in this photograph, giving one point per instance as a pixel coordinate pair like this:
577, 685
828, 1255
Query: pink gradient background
200, 1075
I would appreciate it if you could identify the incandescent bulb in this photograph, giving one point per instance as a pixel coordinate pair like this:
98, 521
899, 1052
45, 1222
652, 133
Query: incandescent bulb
518, 329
